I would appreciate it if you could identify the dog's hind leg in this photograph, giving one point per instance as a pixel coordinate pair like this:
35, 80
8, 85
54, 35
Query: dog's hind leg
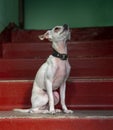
39, 100
43, 105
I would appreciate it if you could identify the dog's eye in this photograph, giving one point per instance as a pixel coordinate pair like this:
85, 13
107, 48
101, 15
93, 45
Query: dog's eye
56, 29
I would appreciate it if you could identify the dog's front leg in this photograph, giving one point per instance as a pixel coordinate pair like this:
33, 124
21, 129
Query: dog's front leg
50, 96
62, 95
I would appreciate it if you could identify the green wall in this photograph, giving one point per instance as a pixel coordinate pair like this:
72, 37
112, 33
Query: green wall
42, 14
8, 12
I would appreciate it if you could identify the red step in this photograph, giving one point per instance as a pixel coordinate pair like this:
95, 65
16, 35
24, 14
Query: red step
103, 48
80, 120
26, 36
1, 49
36, 50
81, 67
43, 50
19, 68
15, 93
92, 67
77, 34
92, 33
80, 94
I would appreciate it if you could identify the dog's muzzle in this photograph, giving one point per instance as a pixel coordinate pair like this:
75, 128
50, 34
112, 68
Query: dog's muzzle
59, 55
65, 27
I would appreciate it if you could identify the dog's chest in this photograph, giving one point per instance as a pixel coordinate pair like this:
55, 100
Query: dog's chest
60, 76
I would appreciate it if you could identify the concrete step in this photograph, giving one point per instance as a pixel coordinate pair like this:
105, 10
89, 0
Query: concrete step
81, 67
79, 120
43, 50
80, 94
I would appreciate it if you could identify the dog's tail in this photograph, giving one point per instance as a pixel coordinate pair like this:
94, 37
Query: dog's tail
22, 110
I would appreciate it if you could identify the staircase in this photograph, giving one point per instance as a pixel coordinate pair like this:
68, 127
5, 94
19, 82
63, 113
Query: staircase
89, 88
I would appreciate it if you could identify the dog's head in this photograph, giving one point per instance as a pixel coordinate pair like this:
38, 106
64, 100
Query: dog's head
58, 33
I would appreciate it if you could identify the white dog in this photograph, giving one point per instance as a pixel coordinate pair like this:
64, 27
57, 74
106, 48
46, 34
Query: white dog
52, 75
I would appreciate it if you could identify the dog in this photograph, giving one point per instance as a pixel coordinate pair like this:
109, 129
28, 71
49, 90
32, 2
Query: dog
52, 75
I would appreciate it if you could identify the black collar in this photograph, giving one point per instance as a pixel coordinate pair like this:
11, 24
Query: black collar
58, 55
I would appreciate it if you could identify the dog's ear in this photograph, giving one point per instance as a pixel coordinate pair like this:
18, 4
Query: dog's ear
44, 36
41, 37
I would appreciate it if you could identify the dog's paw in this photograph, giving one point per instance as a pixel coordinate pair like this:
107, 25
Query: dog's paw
58, 110
52, 112
55, 111
68, 111
46, 112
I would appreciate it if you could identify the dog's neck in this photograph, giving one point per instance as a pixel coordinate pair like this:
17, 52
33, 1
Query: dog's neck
60, 50
60, 47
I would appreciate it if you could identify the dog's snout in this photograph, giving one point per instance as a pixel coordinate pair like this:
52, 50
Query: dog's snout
65, 26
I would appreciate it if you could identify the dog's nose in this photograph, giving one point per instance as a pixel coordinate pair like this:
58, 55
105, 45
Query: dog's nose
65, 26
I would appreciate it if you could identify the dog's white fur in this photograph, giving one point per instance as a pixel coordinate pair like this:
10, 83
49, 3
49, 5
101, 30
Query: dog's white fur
51, 75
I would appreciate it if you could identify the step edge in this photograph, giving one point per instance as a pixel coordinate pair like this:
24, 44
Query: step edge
90, 79
17, 80
70, 79
76, 115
